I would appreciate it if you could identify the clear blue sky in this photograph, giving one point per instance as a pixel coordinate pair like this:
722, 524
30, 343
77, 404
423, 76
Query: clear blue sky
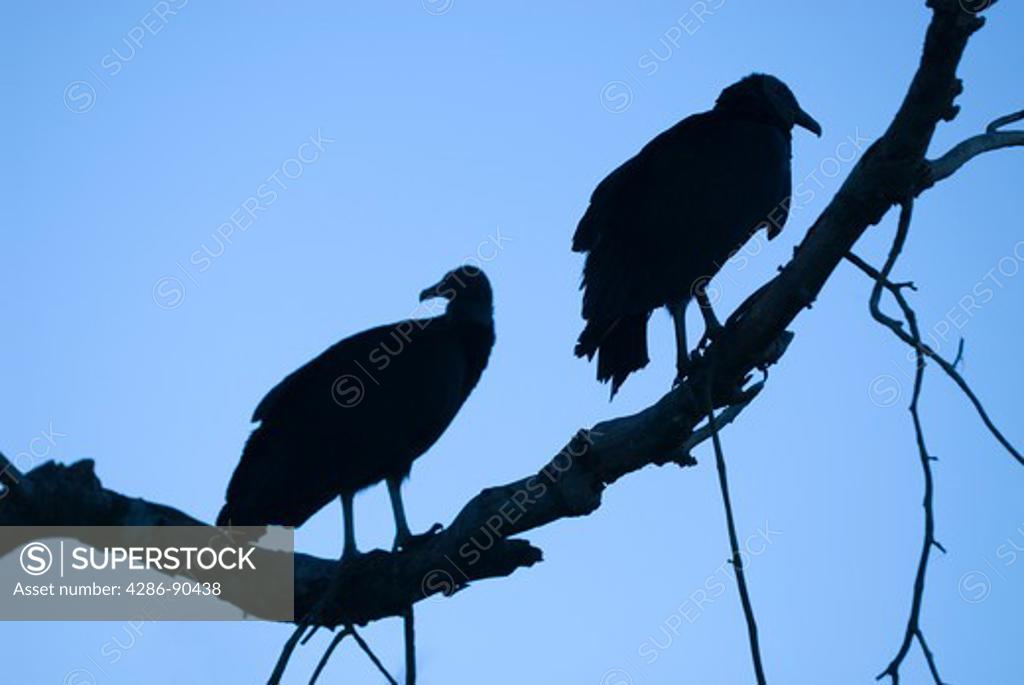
133, 337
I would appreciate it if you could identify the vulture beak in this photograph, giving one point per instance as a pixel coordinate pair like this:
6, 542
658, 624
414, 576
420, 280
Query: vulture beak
805, 120
432, 292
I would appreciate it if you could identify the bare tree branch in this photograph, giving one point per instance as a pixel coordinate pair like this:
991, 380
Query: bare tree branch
734, 545
409, 637
289, 647
342, 634
380, 584
929, 658
706, 431
373, 657
335, 641
993, 139
948, 367
913, 629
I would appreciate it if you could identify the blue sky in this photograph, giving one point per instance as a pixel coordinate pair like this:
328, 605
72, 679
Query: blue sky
137, 335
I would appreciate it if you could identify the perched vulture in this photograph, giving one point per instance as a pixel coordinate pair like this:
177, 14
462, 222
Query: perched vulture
662, 224
362, 412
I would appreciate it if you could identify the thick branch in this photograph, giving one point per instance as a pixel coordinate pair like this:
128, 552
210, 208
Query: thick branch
475, 546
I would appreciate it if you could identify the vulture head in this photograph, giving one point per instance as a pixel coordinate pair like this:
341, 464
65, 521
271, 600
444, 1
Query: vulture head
765, 97
468, 293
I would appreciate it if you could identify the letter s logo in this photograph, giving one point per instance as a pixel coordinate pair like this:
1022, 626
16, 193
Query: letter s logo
36, 558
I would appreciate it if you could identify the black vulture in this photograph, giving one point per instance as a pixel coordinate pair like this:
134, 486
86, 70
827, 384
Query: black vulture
362, 412
662, 224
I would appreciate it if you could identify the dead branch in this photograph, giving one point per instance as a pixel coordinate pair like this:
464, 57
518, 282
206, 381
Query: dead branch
919, 345
477, 545
993, 139
913, 629
734, 545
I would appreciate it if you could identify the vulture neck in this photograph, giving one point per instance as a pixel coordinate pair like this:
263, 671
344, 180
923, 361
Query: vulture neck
472, 312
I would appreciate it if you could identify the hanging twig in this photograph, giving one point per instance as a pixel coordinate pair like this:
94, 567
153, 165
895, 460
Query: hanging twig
342, 634
345, 632
409, 631
882, 281
737, 559
373, 657
948, 367
727, 416
913, 622
286, 651
307, 623
929, 657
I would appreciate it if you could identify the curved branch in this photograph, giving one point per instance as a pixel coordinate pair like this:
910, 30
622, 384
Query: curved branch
917, 344
913, 629
993, 139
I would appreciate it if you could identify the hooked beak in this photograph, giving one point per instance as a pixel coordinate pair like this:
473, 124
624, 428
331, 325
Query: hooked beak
431, 292
805, 120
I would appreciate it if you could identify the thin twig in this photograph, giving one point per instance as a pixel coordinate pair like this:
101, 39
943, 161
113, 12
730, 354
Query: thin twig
286, 651
727, 416
409, 630
913, 629
297, 638
948, 367
373, 657
929, 657
345, 632
1003, 121
959, 354
327, 654
737, 559
903, 227
913, 621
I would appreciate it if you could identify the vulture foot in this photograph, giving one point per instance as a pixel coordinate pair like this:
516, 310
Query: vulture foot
712, 333
411, 540
686, 368
351, 556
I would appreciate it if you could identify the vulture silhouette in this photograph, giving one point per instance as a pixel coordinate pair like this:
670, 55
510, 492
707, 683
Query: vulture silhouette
662, 224
362, 412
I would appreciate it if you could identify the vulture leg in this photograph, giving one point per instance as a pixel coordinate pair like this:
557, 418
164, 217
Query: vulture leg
683, 362
402, 533
350, 551
711, 325
403, 536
